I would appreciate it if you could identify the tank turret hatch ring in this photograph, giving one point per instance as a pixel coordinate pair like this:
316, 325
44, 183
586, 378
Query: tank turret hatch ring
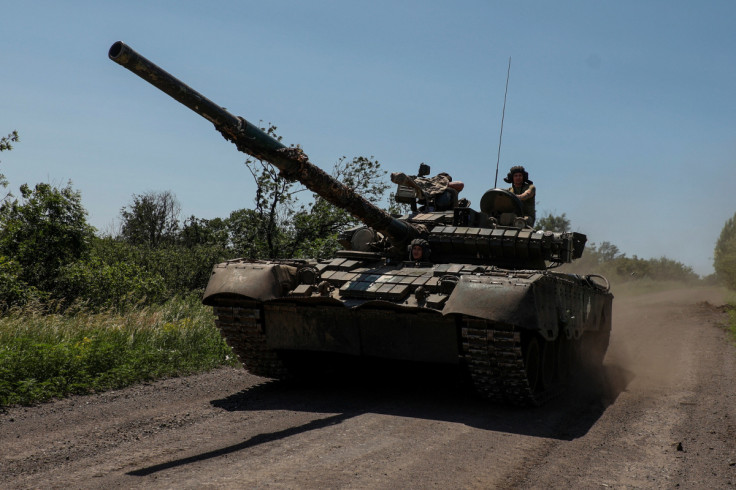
498, 201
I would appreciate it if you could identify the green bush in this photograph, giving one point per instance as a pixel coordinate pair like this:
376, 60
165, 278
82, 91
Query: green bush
13, 290
109, 285
44, 231
117, 274
44, 356
183, 269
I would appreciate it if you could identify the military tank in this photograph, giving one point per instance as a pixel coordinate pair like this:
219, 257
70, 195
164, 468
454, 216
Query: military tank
486, 299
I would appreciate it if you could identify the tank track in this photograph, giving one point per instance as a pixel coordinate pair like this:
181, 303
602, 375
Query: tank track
494, 357
242, 328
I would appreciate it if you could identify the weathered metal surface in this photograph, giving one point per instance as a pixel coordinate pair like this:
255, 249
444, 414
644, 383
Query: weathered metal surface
508, 301
426, 336
258, 281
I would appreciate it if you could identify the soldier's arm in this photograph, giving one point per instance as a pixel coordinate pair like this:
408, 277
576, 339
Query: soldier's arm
403, 179
529, 193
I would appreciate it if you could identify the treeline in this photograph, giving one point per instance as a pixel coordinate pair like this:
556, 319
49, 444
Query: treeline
50, 255
605, 259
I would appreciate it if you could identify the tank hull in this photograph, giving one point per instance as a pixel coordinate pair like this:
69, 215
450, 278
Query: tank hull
519, 335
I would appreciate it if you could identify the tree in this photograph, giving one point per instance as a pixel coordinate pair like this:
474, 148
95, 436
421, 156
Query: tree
43, 231
609, 252
282, 226
199, 231
6, 144
152, 219
724, 255
551, 222
246, 231
274, 203
13, 290
315, 227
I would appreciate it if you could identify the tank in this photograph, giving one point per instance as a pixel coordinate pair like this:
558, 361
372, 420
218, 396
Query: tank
484, 298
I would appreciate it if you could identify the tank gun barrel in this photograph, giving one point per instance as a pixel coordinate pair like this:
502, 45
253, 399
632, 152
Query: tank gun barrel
248, 138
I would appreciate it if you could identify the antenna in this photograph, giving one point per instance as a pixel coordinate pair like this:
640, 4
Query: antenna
503, 115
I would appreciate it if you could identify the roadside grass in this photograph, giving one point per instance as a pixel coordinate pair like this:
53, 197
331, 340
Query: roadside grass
45, 356
732, 318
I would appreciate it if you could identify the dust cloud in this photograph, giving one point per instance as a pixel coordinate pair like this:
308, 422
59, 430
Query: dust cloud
650, 336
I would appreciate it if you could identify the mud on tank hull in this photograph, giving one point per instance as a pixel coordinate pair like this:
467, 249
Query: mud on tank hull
519, 334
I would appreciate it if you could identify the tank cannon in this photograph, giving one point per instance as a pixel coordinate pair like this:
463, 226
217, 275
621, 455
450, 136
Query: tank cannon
485, 300
292, 162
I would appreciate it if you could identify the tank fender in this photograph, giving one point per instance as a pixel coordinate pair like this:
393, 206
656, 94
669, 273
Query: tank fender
252, 280
503, 300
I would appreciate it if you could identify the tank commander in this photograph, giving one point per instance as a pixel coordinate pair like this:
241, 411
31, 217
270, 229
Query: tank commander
524, 189
439, 192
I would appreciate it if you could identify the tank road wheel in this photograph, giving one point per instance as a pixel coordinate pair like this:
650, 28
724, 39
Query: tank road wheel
509, 365
541, 367
532, 363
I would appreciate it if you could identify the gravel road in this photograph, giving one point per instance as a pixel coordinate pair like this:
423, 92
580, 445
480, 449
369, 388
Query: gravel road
661, 415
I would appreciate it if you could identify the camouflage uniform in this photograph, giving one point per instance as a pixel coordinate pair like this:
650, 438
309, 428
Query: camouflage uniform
528, 205
430, 186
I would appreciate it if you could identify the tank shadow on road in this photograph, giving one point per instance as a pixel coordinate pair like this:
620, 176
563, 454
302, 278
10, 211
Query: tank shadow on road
441, 395
432, 396
253, 441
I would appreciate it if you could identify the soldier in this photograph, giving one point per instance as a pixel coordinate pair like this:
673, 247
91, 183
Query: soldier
524, 190
438, 192
448, 199
419, 250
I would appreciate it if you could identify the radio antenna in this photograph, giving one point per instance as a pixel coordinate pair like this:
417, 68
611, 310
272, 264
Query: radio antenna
503, 115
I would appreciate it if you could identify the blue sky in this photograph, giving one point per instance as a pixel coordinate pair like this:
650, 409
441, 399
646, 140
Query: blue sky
623, 112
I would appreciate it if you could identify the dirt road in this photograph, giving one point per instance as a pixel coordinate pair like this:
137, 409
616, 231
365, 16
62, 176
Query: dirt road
665, 417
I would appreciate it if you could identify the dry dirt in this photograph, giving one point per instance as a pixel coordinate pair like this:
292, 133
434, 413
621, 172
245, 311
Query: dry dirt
661, 415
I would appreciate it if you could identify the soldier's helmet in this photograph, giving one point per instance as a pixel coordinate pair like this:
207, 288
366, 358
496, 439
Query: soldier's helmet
426, 251
517, 169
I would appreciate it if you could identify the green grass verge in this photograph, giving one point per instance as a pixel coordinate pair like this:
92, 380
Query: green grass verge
45, 356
